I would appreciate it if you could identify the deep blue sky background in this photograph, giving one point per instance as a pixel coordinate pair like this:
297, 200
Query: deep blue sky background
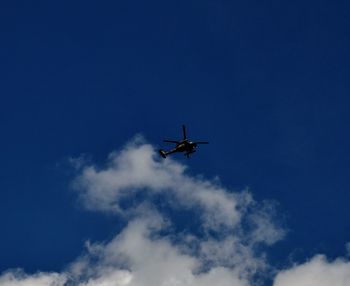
267, 83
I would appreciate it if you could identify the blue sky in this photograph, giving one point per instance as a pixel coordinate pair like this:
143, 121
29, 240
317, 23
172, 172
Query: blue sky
265, 83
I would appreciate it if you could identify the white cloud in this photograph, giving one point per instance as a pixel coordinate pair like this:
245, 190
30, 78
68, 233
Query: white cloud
135, 170
136, 258
263, 219
18, 278
154, 249
316, 272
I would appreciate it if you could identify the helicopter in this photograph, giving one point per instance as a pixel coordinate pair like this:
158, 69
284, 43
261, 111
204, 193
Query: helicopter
183, 146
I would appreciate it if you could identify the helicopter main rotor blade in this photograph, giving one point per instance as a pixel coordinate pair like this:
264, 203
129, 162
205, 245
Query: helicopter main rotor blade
171, 141
184, 131
201, 142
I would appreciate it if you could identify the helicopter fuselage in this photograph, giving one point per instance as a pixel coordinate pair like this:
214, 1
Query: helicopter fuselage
185, 146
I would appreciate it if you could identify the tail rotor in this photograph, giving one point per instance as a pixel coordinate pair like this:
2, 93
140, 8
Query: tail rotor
162, 153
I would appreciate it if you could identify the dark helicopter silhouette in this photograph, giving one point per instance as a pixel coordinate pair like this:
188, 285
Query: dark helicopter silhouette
184, 146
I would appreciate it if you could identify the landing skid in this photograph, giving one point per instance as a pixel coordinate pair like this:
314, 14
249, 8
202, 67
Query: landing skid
188, 154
